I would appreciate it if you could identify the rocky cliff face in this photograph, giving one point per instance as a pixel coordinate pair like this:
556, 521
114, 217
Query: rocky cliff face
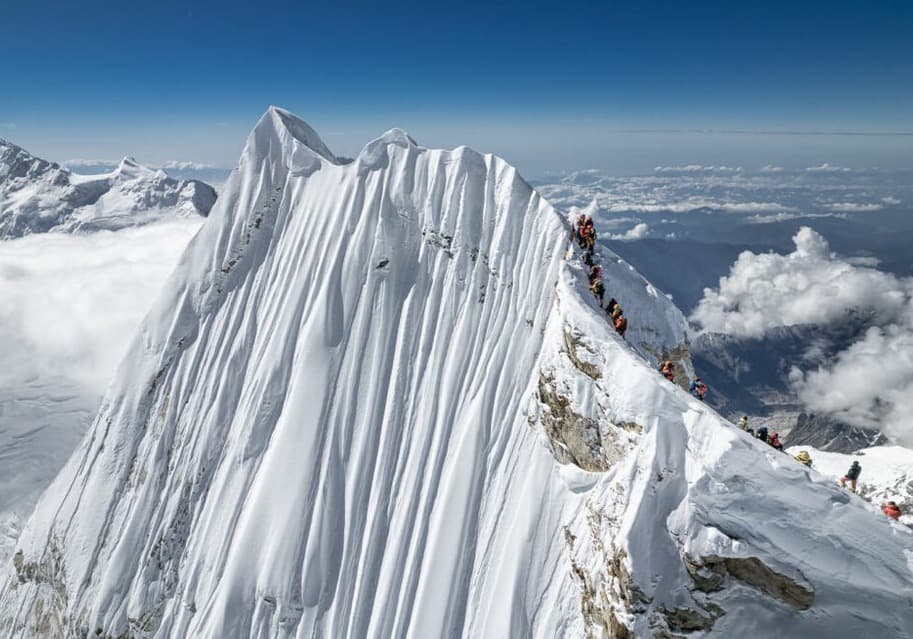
825, 433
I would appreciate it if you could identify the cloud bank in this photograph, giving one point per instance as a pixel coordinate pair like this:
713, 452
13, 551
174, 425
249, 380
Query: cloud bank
72, 303
870, 384
180, 165
769, 194
82, 163
175, 165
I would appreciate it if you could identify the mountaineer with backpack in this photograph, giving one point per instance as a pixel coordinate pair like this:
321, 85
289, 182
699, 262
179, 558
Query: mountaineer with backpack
621, 324
852, 475
597, 289
611, 306
774, 441
697, 388
589, 234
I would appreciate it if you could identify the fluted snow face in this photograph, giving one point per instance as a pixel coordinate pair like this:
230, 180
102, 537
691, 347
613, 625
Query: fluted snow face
351, 413
300, 437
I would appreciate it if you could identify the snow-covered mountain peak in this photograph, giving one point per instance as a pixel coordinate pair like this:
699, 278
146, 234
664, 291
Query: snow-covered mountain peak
378, 400
37, 196
279, 133
130, 169
396, 136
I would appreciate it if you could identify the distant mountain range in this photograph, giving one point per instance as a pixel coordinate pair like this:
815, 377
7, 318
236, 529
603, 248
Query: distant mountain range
38, 196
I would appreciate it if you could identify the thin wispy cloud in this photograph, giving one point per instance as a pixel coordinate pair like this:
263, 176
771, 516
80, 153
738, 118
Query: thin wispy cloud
181, 165
81, 163
828, 168
173, 165
854, 207
698, 168
785, 217
876, 134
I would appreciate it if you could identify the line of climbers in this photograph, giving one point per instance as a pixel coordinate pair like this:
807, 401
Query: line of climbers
773, 439
585, 236
891, 509
697, 387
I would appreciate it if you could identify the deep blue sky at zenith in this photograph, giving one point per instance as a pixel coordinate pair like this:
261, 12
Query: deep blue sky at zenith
617, 85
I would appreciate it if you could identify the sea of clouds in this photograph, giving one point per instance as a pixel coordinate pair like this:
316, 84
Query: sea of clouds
764, 195
72, 303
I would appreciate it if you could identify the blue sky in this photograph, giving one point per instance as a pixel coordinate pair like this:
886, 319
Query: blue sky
550, 86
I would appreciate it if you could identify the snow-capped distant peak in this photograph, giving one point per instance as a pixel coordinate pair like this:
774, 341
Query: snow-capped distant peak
130, 169
38, 196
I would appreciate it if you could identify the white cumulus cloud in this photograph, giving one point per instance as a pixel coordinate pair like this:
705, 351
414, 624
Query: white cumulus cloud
770, 168
638, 232
698, 168
869, 384
808, 286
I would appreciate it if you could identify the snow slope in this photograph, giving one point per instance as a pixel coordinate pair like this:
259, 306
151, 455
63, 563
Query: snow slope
41, 423
887, 473
38, 196
362, 409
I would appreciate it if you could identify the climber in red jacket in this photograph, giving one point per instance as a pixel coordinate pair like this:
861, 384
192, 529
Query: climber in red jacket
892, 510
621, 324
